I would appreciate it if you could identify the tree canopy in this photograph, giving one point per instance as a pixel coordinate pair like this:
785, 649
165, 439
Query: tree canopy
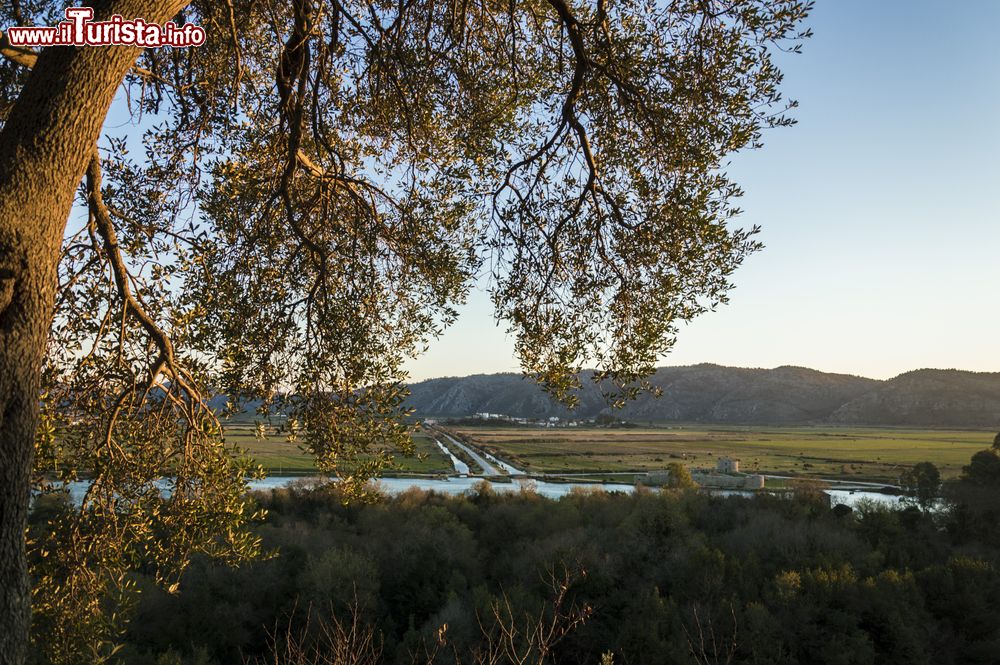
314, 191
922, 482
680, 476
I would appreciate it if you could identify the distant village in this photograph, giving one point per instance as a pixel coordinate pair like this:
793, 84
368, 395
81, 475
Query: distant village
550, 421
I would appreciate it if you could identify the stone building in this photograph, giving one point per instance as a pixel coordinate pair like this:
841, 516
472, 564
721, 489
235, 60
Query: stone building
727, 465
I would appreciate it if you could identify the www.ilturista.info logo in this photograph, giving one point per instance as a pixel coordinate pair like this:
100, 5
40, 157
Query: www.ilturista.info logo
80, 30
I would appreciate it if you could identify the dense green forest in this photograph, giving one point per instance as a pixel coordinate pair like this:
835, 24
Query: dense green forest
651, 577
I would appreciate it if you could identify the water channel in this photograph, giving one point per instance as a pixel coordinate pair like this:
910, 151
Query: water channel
553, 490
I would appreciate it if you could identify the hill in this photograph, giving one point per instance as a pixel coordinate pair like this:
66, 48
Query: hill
731, 395
928, 398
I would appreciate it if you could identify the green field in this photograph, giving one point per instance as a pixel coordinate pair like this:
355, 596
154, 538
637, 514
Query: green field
864, 454
852, 453
279, 457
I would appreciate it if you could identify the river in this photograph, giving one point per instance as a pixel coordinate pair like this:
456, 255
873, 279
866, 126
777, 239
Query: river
463, 484
461, 468
849, 496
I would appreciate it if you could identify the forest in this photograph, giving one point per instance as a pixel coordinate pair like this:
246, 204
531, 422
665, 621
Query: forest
650, 577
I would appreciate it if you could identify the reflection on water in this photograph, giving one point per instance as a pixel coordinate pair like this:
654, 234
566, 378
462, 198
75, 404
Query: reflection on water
460, 485
461, 468
555, 490
508, 468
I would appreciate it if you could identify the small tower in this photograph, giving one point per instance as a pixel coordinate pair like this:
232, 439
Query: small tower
727, 465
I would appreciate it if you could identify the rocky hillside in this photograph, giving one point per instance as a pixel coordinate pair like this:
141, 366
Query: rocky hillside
716, 394
928, 398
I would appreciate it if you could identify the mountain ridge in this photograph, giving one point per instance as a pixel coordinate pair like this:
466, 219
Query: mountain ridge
716, 394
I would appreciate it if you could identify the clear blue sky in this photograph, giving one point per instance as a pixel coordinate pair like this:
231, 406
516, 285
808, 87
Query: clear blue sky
879, 209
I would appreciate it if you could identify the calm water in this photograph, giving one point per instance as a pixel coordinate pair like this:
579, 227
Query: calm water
461, 468
460, 485
455, 485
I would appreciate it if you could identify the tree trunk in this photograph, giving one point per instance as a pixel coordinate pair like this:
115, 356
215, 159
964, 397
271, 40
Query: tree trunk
44, 146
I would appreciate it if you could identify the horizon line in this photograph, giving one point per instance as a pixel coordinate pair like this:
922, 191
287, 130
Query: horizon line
712, 364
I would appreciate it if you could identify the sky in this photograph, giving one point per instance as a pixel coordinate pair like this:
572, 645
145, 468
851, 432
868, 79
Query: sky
878, 209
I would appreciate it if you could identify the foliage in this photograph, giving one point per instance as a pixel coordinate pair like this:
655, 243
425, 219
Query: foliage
680, 476
768, 579
983, 470
314, 191
922, 482
976, 497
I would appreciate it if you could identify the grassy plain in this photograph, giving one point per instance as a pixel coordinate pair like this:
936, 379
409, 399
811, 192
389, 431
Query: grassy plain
876, 454
279, 456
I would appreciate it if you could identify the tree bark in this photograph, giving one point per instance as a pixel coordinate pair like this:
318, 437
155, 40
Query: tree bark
44, 146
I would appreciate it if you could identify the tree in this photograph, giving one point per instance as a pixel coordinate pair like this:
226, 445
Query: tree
996, 442
983, 469
47, 138
974, 497
318, 186
680, 476
922, 482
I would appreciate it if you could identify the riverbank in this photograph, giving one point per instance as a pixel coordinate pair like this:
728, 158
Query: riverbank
551, 489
